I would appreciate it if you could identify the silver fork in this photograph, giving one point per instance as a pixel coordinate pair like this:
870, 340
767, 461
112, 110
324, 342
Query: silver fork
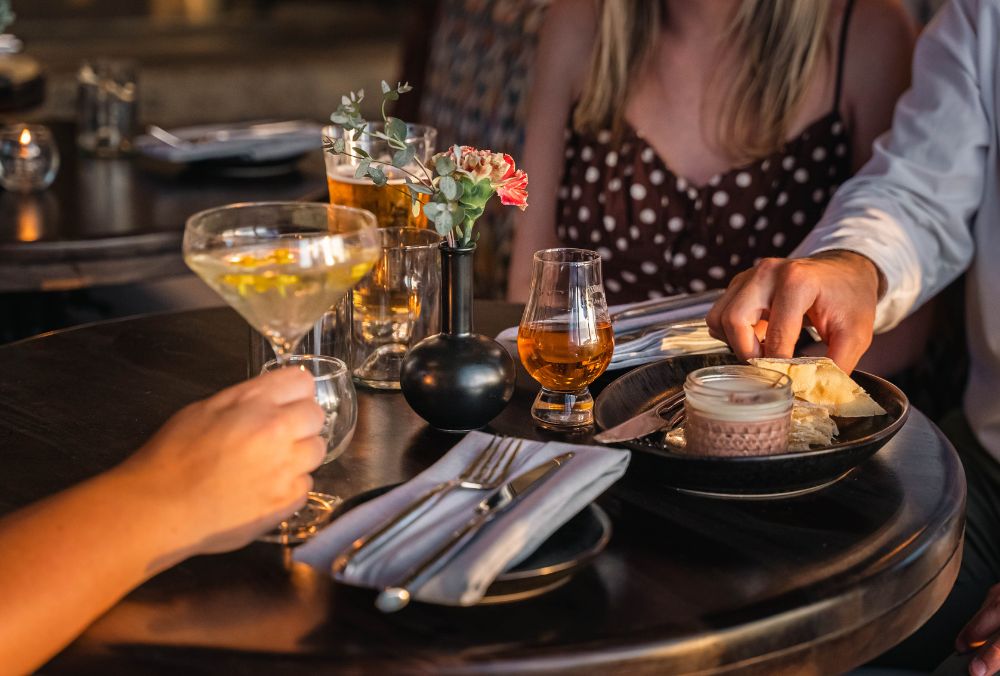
488, 470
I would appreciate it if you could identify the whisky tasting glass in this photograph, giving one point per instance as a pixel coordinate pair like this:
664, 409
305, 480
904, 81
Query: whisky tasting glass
565, 338
336, 396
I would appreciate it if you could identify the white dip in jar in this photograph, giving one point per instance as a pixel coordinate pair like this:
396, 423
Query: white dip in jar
737, 411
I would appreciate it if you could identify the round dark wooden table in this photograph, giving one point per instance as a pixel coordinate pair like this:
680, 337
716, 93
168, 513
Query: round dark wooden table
812, 585
119, 221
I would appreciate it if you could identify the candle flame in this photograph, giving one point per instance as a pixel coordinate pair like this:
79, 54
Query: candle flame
25, 137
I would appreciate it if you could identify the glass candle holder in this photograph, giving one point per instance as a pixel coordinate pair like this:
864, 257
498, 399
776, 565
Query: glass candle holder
737, 411
29, 158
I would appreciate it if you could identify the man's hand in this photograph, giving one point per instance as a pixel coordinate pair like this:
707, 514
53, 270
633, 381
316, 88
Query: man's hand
762, 311
982, 634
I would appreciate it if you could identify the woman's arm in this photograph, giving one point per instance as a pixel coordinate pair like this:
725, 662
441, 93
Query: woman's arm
561, 63
69, 558
880, 39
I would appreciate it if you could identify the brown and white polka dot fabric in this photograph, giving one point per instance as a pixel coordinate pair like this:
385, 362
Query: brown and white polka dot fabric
659, 235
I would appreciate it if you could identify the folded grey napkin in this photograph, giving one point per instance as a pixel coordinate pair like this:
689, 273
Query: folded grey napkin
501, 544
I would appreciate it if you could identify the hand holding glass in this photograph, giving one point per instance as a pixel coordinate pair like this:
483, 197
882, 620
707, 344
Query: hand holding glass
336, 396
282, 265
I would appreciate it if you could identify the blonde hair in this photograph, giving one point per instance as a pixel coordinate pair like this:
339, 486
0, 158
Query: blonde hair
777, 47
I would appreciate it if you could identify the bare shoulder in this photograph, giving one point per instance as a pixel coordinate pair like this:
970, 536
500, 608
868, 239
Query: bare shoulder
880, 24
880, 39
574, 20
567, 38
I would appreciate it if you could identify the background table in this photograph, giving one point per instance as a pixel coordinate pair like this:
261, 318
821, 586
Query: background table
816, 584
117, 221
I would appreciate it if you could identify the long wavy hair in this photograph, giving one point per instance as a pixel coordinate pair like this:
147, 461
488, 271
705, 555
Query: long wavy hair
777, 47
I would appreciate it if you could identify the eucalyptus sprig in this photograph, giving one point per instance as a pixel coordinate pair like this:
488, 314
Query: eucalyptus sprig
7, 15
456, 187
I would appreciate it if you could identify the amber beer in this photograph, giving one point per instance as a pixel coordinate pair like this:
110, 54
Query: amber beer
563, 357
390, 203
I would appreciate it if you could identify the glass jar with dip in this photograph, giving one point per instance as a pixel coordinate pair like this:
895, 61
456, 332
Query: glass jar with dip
737, 411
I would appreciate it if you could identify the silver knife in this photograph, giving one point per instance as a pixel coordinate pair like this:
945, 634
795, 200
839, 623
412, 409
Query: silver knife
398, 596
645, 423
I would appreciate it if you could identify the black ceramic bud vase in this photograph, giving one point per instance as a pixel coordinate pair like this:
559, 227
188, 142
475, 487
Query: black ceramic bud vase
457, 380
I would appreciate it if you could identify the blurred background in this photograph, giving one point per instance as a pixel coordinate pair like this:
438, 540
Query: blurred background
218, 60
228, 61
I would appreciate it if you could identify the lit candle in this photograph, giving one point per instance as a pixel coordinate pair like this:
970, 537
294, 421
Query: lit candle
24, 152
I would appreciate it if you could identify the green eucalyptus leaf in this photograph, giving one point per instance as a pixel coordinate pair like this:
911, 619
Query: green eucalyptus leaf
339, 146
432, 209
396, 129
415, 208
444, 223
361, 152
403, 156
362, 169
449, 187
361, 95
340, 118
421, 188
385, 87
392, 96
377, 176
403, 88
358, 133
444, 165
346, 101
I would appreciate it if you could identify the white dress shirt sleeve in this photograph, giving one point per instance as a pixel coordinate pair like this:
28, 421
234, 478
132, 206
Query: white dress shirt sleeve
909, 209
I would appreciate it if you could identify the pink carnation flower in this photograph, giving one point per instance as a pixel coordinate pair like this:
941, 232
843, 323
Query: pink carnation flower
510, 183
514, 190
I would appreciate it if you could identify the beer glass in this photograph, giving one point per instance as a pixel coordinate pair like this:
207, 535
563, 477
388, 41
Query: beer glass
565, 338
390, 203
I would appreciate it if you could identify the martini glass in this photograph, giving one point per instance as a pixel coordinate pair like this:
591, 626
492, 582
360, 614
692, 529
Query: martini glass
282, 265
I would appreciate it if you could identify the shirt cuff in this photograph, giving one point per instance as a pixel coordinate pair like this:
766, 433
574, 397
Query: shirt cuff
891, 251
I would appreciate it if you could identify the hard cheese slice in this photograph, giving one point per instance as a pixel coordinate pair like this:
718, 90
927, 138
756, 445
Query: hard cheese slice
820, 381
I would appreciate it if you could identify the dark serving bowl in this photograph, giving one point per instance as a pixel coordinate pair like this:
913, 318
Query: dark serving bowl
780, 475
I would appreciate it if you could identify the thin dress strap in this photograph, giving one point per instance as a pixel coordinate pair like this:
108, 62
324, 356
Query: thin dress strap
842, 50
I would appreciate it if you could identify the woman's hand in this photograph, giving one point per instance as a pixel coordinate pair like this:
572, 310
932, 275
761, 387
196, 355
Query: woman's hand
229, 467
982, 634
219, 473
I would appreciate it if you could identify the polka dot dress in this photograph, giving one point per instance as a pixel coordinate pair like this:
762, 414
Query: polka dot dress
658, 234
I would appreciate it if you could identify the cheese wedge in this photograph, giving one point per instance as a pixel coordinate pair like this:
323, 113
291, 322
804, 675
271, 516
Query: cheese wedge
811, 426
820, 381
